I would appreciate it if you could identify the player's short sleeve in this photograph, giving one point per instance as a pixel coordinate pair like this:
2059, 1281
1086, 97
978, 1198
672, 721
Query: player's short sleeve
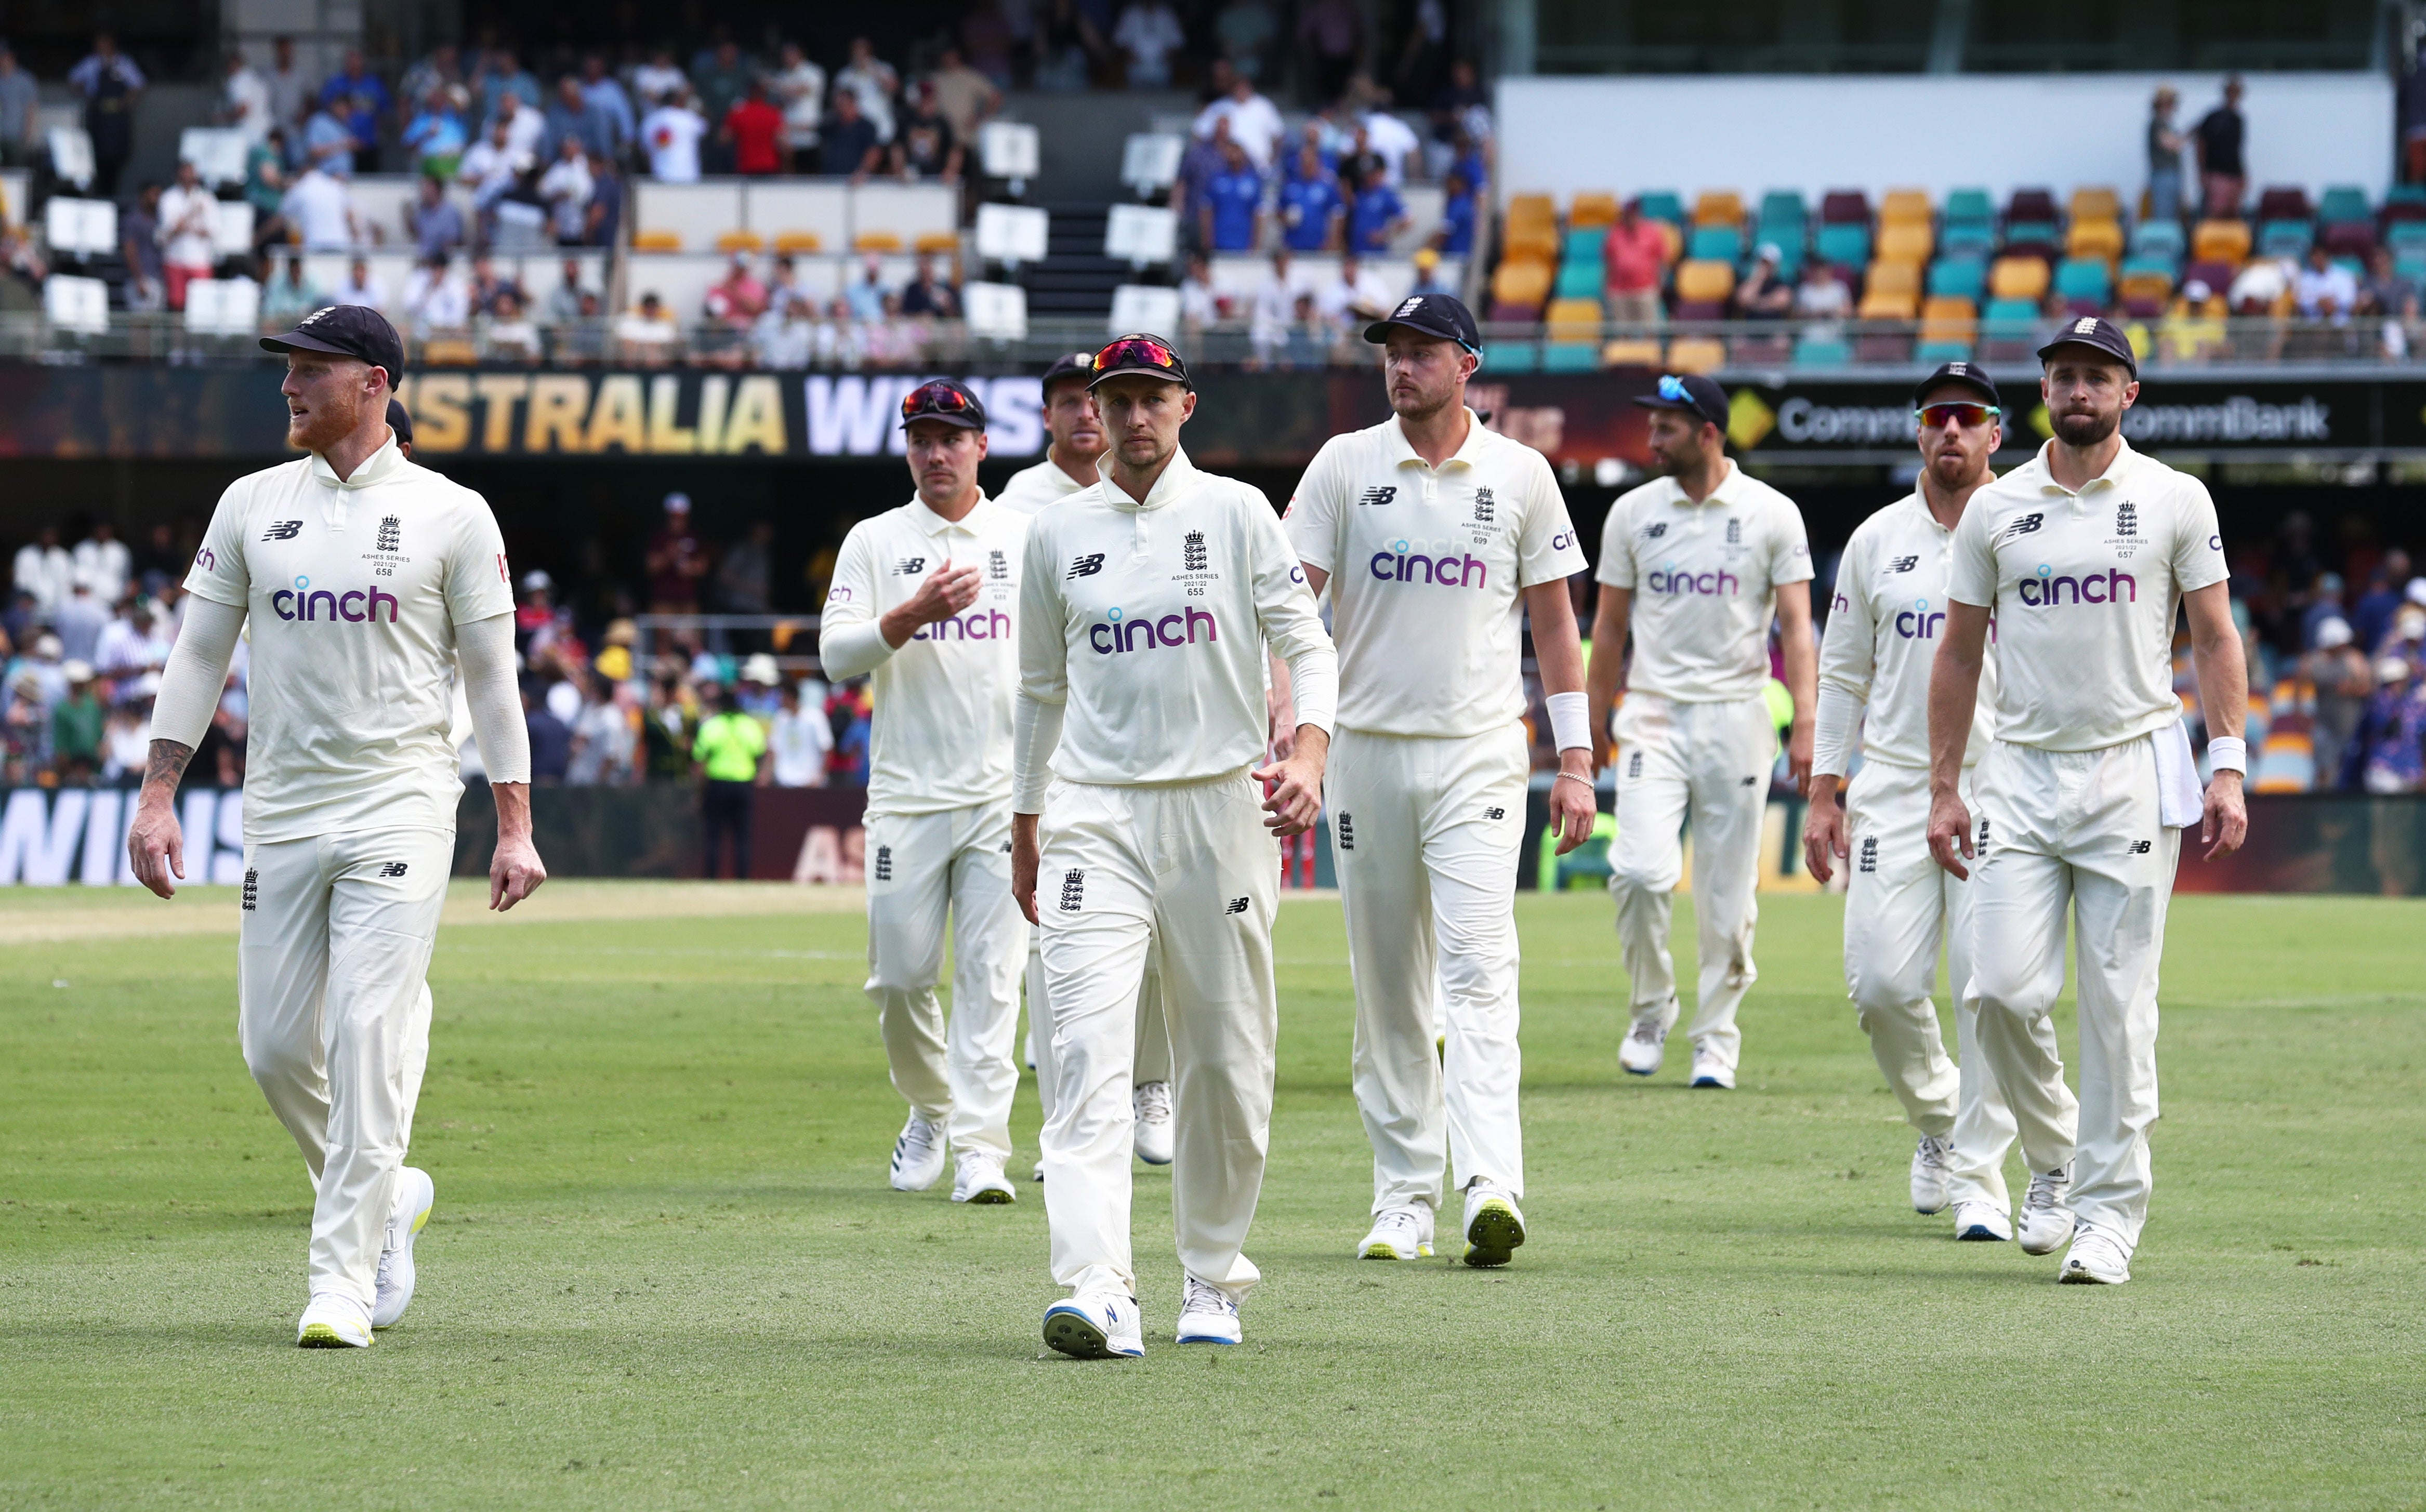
2198, 542
219, 573
1548, 551
480, 584
1972, 578
1311, 522
1617, 547
1789, 546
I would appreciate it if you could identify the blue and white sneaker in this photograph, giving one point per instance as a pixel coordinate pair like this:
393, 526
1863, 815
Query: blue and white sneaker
1104, 1326
1207, 1315
1983, 1221
1710, 1070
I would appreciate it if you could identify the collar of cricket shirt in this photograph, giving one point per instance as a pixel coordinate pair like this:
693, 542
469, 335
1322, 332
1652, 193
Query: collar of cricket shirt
1177, 476
932, 523
377, 468
1402, 452
2125, 460
1723, 493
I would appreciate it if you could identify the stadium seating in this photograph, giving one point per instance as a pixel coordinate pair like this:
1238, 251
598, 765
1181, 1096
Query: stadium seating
1959, 277
2285, 239
1950, 318
2086, 286
1716, 244
1703, 287
1697, 354
2096, 203
1845, 207
1969, 239
1719, 207
2019, 277
1632, 351
1574, 320
2216, 276
1905, 241
2404, 202
1892, 291
2031, 205
2281, 203
1512, 357
1518, 290
2101, 239
1661, 204
1591, 209
2008, 328
1845, 244
2145, 287
2220, 241
2158, 238
1822, 349
1905, 207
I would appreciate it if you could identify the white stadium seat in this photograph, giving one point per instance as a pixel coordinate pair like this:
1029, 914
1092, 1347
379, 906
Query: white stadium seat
218, 153
1150, 161
72, 155
232, 228
73, 303
997, 311
694, 214
797, 208
1144, 307
1141, 235
904, 212
223, 307
1012, 234
1009, 149
83, 228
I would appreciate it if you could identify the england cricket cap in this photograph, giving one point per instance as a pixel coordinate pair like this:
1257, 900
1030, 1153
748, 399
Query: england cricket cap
1079, 365
1967, 375
953, 403
1696, 396
1441, 315
2104, 336
399, 422
1141, 353
345, 330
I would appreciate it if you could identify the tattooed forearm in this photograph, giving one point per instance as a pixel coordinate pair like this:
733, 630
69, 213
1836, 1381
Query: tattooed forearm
167, 764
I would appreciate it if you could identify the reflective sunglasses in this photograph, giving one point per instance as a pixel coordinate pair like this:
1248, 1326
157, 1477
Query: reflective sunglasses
936, 399
1964, 413
1138, 351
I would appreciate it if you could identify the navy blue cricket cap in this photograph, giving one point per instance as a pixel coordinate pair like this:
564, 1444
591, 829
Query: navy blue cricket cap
399, 422
345, 330
1967, 374
1441, 315
953, 403
2100, 335
1691, 393
1079, 365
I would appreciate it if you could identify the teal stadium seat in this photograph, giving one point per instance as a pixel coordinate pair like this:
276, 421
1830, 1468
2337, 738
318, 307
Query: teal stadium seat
1512, 357
1571, 357
1958, 276
2160, 238
1579, 280
2285, 239
1969, 205
1847, 246
1715, 244
2343, 203
1930, 353
1661, 204
1583, 244
1969, 238
1820, 350
2083, 279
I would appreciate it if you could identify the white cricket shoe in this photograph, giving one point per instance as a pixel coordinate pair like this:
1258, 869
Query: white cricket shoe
2097, 1259
415, 1193
1152, 1103
1399, 1233
917, 1155
334, 1322
1100, 1326
1040, 1169
1207, 1314
2046, 1223
979, 1179
1646, 1042
1710, 1070
1932, 1163
1982, 1221
1494, 1227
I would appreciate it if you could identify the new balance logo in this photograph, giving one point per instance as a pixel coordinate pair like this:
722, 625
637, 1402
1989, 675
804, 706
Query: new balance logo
911, 566
884, 863
2126, 519
1191, 552
392, 868
1748, 781
283, 530
1495, 813
1870, 853
1903, 564
390, 534
1378, 496
2140, 848
1086, 566
1655, 530
1347, 830
2023, 525
1236, 906
1074, 890
252, 889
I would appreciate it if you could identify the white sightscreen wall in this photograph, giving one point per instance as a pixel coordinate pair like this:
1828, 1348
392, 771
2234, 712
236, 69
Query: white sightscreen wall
1753, 133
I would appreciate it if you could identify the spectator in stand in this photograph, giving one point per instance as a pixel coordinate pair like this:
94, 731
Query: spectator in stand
745, 585
1230, 217
676, 561
1455, 236
551, 742
1148, 33
2339, 672
2324, 603
1383, 135
565, 188
2326, 290
1329, 37
357, 98
671, 135
574, 114
1200, 303
926, 296
126, 734
102, 562
328, 142
1311, 206
290, 294
1763, 295
436, 136
1461, 116
2391, 300
2386, 590
506, 334
1376, 216
75, 727
865, 294
490, 170
139, 243
606, 214
1636, 258
563, 306
79, 621
645, 335
1355, 296
289, 90
873, 82
1823, 296
1245, 29
435, 304
1428, 281
188, 233
1069, 45
800, 90
925, 147
526, 130
443, 67
2165, 143
965, 96
2386, 752
852, 144
721, 76
659, 82
134, 644
737, 299
436, 224
2265, 286
359, 287
1273, 309
244, 98
501, 75
265, 190
799, 740
489, 286
109, 85
19, 113
752, 132
785, 336
606, 95
987, 40
1254, 121
2221, 136
605, 736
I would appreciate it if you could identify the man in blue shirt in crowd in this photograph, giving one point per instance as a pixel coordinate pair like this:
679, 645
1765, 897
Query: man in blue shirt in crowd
1376, 214
1455, 238
1309, 203
358, 99
1233, 212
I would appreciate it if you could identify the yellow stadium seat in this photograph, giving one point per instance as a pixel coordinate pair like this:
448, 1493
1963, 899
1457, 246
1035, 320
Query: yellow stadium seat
1597, 208
1717, 207
2144, 288
656, 241
938, 241
1905, 241
1574, 320
1897, 277
877, 241
1631, 352
2096, 203
1949, 317
799, 241
2220, 241
740, 241
1675, 240
448, 351
1533, 244
1524, 283
2100, 239
1697, 354
1905, 207
1705, 280
1531, 210
2019, 277
1888, 304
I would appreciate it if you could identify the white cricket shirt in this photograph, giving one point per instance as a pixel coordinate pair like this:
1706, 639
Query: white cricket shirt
1031, 488
1884, 624
1149, 623
941, 730
1705, 579
1426, 566
2085, 587
353, 589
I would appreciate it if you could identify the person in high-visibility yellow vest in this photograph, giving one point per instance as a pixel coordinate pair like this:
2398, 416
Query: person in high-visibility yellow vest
730, 748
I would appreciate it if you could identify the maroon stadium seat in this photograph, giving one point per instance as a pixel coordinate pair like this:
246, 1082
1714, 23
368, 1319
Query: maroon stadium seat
1845, 207
2285, 202
2035, 206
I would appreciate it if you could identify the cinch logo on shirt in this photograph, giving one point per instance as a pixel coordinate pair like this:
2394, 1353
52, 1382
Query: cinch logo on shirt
991, 624
355, 605
1719, 583
2049, 591
1920, 622
1112, 634
1396, 565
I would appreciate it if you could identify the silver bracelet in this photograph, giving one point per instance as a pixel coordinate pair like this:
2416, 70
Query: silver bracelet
1573, 777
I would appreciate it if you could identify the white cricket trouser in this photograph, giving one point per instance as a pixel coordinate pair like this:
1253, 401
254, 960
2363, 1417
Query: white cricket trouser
1711, 761
1426, 832
1153, 1036
333, 1015
2078, 830
1184, 876
1899, 904
921, 866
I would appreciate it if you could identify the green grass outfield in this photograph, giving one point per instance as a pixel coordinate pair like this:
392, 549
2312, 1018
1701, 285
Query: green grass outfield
664, 1269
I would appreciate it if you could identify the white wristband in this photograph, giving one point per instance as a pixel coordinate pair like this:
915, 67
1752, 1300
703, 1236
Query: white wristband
1571, 720
2226, 753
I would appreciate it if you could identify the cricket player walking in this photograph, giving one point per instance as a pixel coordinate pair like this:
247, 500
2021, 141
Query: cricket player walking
1435, 537
368, 580
923, 597
2085, 555
1693, 566
1899, 904
1075, 426
1145, 607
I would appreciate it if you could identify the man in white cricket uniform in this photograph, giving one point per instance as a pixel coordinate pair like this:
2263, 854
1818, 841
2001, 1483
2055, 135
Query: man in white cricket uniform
1075, 426
2085, 555
1435, 536
1693, 566
1899, 904
1145, 606
924, 597
367, 579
